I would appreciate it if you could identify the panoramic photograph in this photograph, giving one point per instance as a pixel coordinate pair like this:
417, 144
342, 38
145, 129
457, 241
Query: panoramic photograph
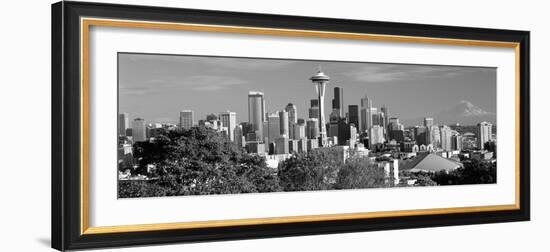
203, 125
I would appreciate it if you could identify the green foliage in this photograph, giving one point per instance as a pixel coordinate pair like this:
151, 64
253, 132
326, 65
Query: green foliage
359, 172
198, 161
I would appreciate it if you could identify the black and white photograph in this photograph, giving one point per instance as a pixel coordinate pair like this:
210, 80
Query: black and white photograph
200, 125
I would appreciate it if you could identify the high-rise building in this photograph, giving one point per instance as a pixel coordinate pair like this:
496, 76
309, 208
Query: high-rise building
283, 121
299, 131
353, 115
446, 138
123, 123
428, 122
312, 128
435, 137
376, 135
292, 119
256, 112
320, 80
273, 126
281, 145
186, 119
375, 118
229, 120
421, 135
366, 117
292, 113
484, 134
456, 141
238, 135
314, 109
139, 130
353, 136
338, 101
385, 111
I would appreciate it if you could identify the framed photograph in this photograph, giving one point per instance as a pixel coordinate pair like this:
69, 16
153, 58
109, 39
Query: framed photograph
179, 125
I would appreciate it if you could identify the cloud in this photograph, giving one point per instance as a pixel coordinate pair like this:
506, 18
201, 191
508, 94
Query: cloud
391, 72
213, 62
163, 84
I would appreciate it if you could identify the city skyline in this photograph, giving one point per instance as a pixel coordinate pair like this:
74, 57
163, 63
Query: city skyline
149, 86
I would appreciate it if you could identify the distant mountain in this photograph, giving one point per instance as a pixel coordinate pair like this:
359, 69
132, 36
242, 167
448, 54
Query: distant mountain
464, 113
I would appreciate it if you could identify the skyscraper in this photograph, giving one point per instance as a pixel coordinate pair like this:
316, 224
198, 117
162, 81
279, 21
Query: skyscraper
485, 133
139, 130
312, 128
376, 135
384, 110
273, 126
320, 80
186, 119
428, 122
338, 101
123, 124
353, 115
456, 141
292, 113
446, 138
299, 131
283, 121
229, 120
366, 117
256, 112
314, 109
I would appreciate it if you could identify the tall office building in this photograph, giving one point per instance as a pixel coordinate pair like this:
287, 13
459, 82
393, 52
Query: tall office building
428, 122
485, 133
123, 123
375, 118
292, 113
320, 80
283, 121
456, 141
353, 115
312, 128
273, 126
256, 112
376, 135
229, 120
338, 102
435, 136
240, 139
186, 119
314, 109
292, 119
366, 117
384, 110
139, 130
352, 136
299, 131
281, 145
446, 138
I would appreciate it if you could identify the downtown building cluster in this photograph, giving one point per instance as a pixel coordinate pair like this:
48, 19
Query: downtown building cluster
279, 134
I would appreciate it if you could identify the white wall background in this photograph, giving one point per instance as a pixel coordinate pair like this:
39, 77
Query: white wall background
25, 125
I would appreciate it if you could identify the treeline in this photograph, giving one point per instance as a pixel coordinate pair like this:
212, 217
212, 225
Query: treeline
202, 161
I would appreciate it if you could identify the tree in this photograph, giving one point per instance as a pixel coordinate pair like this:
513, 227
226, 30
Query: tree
314, 170
211, 117
201, 161
360, 172
473, 172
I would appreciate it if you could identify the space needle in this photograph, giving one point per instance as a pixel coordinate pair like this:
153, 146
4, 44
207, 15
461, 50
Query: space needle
320, 80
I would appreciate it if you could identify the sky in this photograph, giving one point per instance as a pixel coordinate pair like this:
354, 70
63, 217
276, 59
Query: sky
156, 87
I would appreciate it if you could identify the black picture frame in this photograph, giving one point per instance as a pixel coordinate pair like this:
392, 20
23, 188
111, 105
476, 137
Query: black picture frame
66, 114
